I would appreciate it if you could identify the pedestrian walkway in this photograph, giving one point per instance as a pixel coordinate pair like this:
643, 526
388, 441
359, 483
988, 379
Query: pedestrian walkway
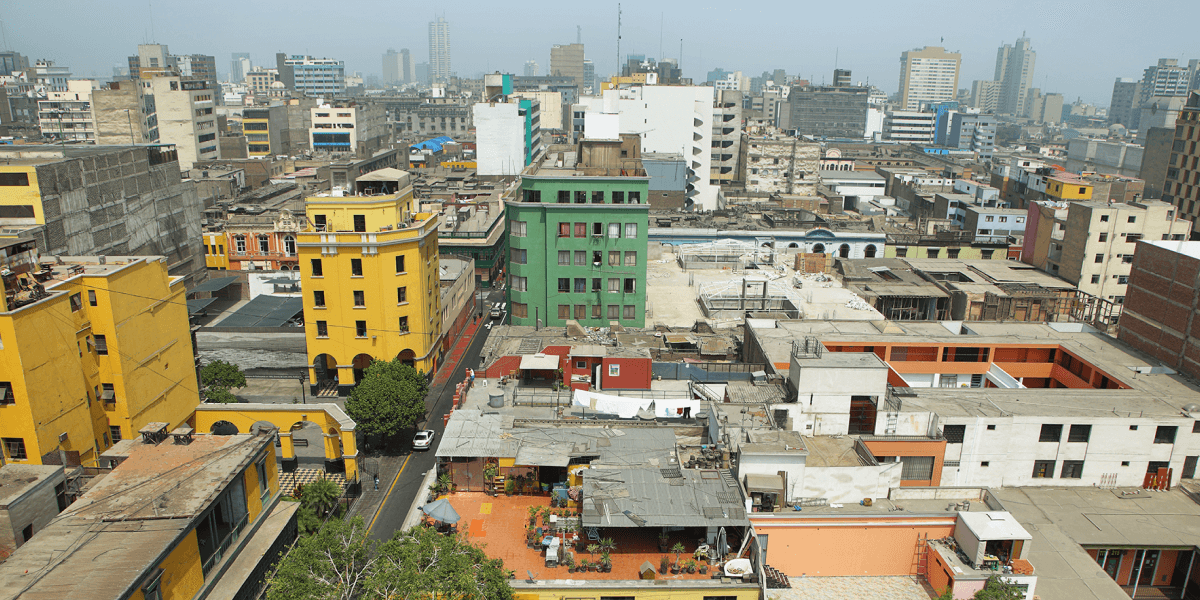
368, 503
456, 352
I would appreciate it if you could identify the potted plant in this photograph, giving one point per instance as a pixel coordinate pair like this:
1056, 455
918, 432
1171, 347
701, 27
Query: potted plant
546, 516
690, 566
663, 564
606, 561
664, 542
570, 563
704, 569
509, 487
489, 476
533, 513
677, 549
592, 550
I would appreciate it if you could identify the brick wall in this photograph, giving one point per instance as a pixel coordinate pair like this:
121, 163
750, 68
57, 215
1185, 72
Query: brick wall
1159, 316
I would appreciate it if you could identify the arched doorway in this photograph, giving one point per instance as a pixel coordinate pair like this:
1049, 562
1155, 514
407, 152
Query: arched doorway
844, 251
869, 251
361, 362
223, 428
325, 374
793, 245
819, 248
408, 357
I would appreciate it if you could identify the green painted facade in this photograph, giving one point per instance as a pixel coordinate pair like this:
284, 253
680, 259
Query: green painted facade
594, 293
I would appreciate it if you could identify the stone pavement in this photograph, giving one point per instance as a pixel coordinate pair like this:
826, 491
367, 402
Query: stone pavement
842, 588
369, 502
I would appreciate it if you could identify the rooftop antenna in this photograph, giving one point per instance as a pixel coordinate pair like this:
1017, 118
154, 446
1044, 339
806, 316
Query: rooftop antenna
578, 34
618, 38
835, 57
150, 6
661, 19
4, 35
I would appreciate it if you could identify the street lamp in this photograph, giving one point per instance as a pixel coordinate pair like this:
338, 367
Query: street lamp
303, 396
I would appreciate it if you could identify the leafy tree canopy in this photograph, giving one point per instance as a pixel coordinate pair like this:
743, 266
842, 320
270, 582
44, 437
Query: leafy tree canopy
390, 398
219, 373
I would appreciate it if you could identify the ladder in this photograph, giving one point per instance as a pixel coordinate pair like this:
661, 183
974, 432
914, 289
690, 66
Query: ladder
921, 557
892, 419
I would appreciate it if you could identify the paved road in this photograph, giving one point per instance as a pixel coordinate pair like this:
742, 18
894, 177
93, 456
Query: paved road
400, 499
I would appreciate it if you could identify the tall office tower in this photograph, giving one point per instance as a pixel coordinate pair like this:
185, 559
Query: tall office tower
589, 78
531, 68
392, 67
566, 60
1124, 98
407, 74
239, 65
12, 61
1166, 78
928, 74
841, 78
1014, 71
439, 49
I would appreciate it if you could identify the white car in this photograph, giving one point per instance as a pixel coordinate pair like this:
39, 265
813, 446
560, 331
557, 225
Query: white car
423, 440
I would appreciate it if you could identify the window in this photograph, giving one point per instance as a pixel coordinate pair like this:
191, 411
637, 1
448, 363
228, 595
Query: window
319, 298
520, 310
635, 197
400, 263
360, 299
92, 297
630, 285
631, 230
564, 230
618, 197
564, 258
264, 244
520, 284
1126, 259
322, 329
1165, 434
76, 302
631, 259
564, 197
356, 267
1050, 433
518, 228
614, 312
1133, 237
1103, 218
316, 268
564, 311
580, 197
952, 252
597, 229
901, 252
1099, 258
614, 258
1122, 279
933, 252
519, 256
360, 223
597, 259
564, 285
1132, 219
14, 448
402, 325
1104, 237
263, 486
580, 285
985, 254
989, 218
954, 433
360, 329
402, 295
1196, 427
239, 244
1095, 279
597, 288
919, 468
289, 245
115, 432
580, 230
6, 393
1079, 433
597, 197
614, 230
1133, 427
581, 258
1153, 466
101, 345
991, 427
984, 463
580, 312
7, 179
1043, 469
629, 311
614, 285
1072, 469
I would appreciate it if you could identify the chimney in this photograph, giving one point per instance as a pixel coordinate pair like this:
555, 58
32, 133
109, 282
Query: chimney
183, 435
153, 433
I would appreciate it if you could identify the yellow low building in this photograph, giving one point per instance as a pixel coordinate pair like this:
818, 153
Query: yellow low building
180, 516
91, 350
215, 255
1068, 186
369, 267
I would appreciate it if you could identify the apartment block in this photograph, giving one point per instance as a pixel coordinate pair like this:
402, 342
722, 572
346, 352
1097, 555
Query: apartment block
973, 132
356, 128
67, 116
827, 111
369, 269
578, 239
1182, 186
780, 165
985, 95
184, 112
261, 81
726, 137
132, 365
566, 60
909, 126
1161, 306
508, 129
103, 200
309, 76
928, 74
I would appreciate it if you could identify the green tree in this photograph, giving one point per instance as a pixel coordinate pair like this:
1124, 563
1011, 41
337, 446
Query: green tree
383, 404
219, 395
321, 496
400, 372
332, 563
219, 373
998, 589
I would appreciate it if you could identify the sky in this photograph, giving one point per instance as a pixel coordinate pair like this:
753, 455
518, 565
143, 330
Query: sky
1081, 46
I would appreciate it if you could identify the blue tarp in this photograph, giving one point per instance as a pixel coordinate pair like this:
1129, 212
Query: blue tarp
434, 144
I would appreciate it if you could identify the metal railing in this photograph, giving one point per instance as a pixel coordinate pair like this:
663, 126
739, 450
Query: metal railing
222, 547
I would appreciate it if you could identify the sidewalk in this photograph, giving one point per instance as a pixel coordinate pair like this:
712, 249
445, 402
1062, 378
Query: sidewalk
456, 352
371, 499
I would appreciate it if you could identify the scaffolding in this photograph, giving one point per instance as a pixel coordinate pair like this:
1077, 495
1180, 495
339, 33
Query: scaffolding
737, 298
726, 254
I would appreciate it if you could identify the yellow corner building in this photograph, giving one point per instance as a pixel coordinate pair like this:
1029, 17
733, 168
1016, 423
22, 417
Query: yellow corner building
91, 350
370, 277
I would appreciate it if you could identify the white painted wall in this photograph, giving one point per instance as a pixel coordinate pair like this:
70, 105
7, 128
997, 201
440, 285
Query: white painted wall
824, 391
499, 138
850, 484
772, 464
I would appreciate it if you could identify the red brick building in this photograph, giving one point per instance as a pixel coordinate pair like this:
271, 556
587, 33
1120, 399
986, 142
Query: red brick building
1162, 306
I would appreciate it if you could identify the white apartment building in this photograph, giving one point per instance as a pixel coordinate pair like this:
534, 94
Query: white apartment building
672, 119
499, 138
185, 117
928, 74
67, 116
348, 129
910, 127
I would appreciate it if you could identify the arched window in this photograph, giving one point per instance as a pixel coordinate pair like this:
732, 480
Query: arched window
264, 244
869, 251
239, 243
844, 251
289, 245
819, 248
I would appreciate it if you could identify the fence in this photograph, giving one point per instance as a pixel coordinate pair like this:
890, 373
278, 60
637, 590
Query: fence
705, 372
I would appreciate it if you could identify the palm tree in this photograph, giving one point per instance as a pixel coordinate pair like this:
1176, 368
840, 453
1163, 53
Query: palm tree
677, 549
321, 496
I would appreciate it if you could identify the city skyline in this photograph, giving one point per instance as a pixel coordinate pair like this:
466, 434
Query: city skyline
1071, 59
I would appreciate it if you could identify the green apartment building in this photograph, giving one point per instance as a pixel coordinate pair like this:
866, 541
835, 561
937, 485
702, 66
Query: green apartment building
577, 246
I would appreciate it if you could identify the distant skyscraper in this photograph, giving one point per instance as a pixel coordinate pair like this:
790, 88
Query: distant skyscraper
928, 74
1166, 78
392, 67
716, 74
1014, 72
421, 73
589, 78
566, 60
531, 68
439, 49
239, 65
1125, 95
841, 77
407, 74
12, 61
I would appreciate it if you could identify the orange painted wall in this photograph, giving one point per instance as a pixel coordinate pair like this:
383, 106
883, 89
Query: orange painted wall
824, 548
1126, 568
938, 573
934, 448
1166, 566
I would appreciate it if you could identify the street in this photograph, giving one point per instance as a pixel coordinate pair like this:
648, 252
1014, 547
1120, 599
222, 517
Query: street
400, 498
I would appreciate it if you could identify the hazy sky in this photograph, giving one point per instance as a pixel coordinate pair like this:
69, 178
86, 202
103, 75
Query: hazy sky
1081, 46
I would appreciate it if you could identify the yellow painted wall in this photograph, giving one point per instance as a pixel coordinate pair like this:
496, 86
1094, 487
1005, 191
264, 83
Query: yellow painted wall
1067, 190
216, 251
254, 497
377, 249
284, 418
183, 572
12, 195
459, 164
964, 252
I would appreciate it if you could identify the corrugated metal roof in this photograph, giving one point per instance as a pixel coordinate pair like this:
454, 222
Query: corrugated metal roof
636, 497
213, 285
265, 311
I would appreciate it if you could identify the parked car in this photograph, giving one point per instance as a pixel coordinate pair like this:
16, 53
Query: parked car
423, 440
